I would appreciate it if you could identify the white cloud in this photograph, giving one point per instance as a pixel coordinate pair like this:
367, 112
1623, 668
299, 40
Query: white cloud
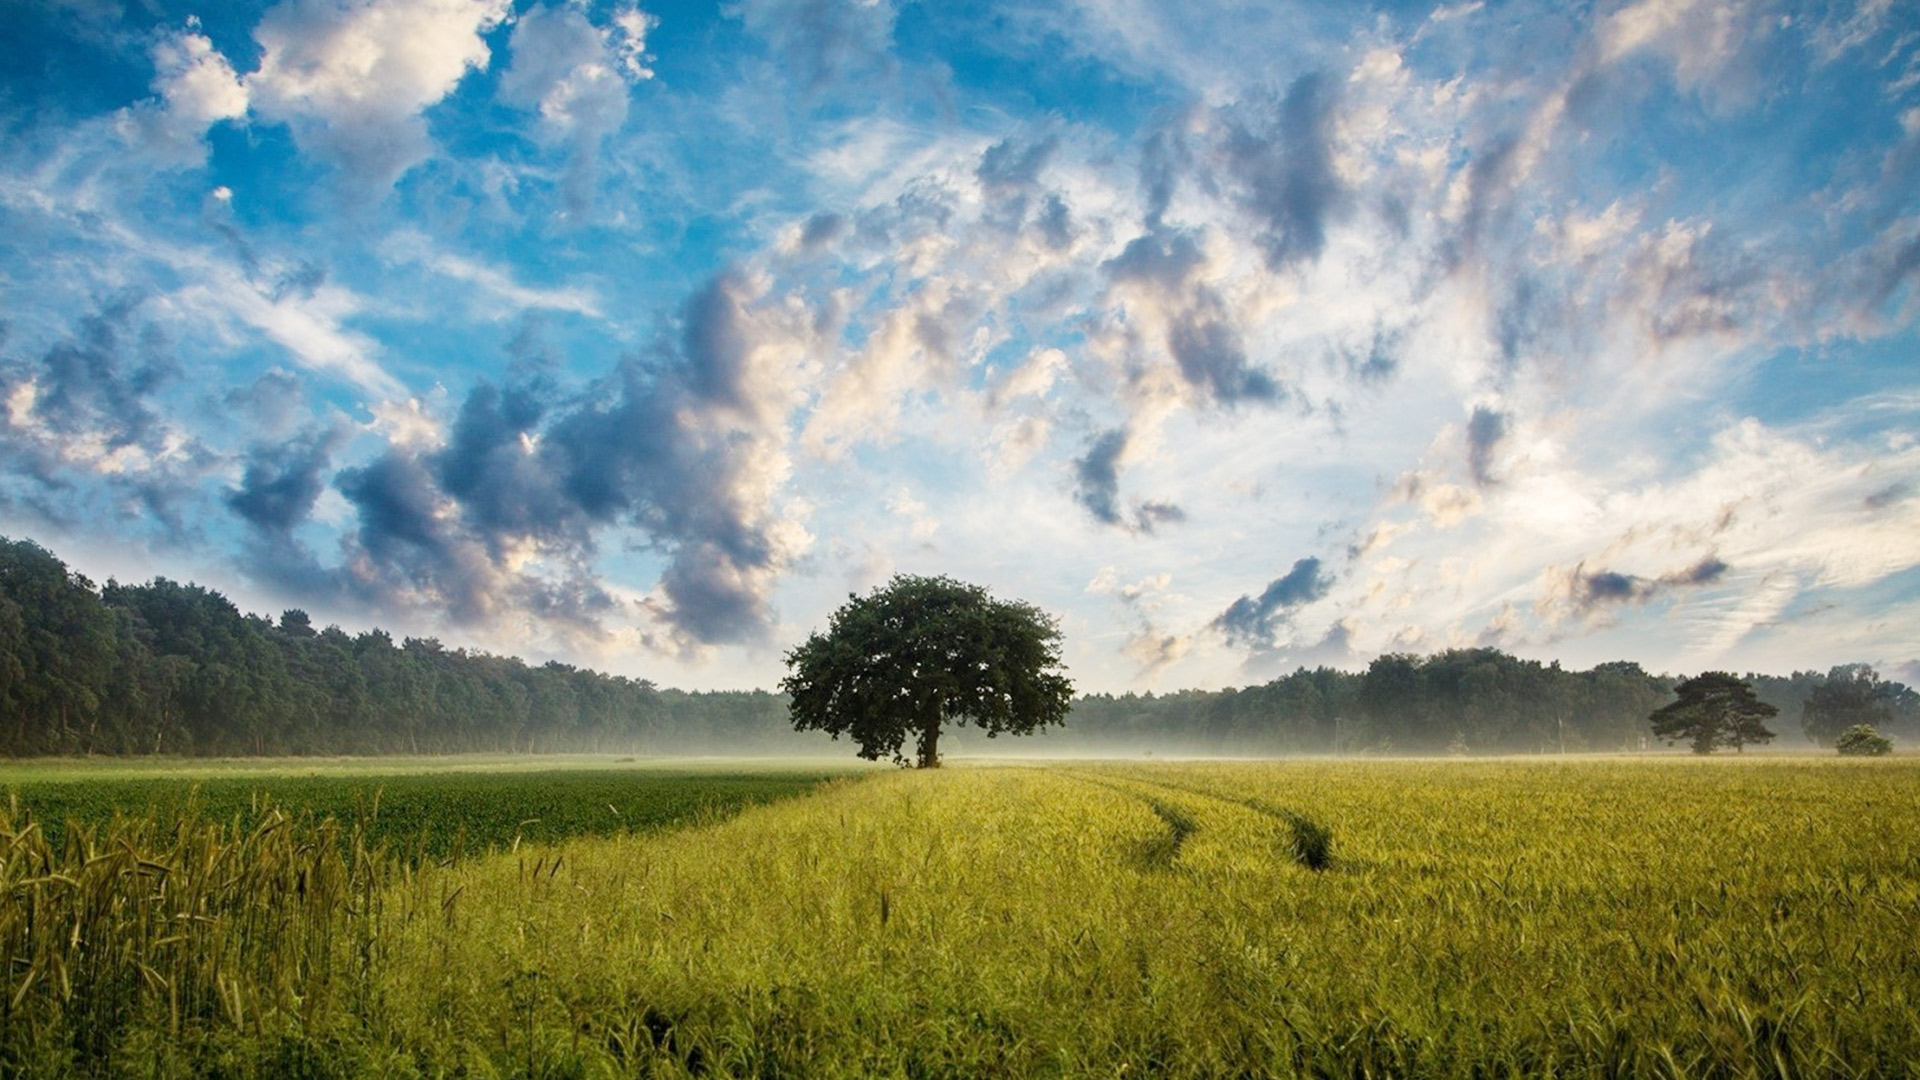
921, 525
496, 294
1767, 520
1031, 379
196, 89
861, 401
352, 77
408, 424
310, 326
577, 76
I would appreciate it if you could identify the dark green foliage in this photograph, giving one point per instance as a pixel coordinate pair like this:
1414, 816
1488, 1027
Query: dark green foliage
177, 669
1852, 696
1712, 710
1483, 698
64, 666
1861, 740
923, 652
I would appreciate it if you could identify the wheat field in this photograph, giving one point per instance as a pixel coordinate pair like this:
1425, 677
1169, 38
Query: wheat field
1310, 918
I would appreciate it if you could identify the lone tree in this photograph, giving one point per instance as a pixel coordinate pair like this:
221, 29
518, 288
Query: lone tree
1714, 709
922, 652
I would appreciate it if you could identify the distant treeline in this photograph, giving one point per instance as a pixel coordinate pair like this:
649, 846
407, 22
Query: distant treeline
1460, 701
178, 669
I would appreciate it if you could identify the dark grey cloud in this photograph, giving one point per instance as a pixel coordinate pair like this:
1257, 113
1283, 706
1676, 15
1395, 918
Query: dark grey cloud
925, 208
1055, 222
1255, 621
530, 355
408, 549
1883, 271
717, 342
1097, 488
1148, 516
486, 465
1202, 336
1484, 431
1164, 258
1009, 177
93, 398
100, 380
1382, 358
1704, 572
1164, 158
1490, 179
821, 230
396, 496
1269, 659
1608, 587
1097, 477
1703, 287
1604, 588
636, 448
217, 213
1520, 319
281, 481
710, 606
1011, 166
1887, 496
1207, 346
1286, 172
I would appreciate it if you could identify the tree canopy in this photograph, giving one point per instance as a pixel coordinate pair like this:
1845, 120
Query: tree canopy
923, 652
1851, 696
170, 668
1714, 709
1861, 740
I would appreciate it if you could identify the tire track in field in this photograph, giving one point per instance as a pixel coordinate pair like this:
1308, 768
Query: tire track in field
1161, 852
1310, 843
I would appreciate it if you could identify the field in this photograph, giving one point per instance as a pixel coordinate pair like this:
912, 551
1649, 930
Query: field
429, 806
1659, 917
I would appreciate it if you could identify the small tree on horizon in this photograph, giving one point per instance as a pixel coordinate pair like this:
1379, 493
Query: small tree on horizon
1714, 709
923, 652
1861, 740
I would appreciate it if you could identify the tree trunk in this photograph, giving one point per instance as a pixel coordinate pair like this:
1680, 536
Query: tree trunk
930, 743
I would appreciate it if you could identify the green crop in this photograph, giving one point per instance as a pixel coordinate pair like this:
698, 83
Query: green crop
435, 813
1433, 919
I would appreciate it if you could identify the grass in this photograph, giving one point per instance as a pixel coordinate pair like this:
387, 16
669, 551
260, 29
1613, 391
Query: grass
428, 806
1577, 918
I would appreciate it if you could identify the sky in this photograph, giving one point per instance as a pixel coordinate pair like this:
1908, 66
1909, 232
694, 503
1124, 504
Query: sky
1237, 336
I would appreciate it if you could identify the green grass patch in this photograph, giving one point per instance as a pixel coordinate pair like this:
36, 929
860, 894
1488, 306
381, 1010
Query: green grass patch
435, 813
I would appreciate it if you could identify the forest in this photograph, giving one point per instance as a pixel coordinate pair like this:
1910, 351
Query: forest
167, 668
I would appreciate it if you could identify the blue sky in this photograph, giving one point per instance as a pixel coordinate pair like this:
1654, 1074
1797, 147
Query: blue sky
1238, 336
